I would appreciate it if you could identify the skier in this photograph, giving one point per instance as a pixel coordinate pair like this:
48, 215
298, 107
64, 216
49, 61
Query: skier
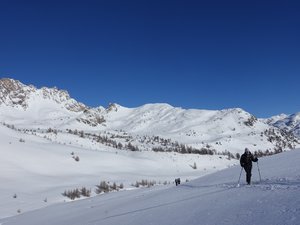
246, 162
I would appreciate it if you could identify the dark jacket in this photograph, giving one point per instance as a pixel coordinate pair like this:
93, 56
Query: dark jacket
247, 159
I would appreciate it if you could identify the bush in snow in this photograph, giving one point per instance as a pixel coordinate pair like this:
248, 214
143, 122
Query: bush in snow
251, 121
85, 192
104, 187
132, 147
137, 185
81, 134
76, 193
119, 146
76, 158
194, 166
72, 194
144, 183
114, 187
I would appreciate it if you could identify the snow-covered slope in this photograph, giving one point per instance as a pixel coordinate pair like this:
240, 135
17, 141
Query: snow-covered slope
288, 122
32, 107
213, 199
163, 127
223, 130
36, 171
17, 95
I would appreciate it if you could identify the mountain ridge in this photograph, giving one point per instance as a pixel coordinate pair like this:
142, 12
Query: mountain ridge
13, 93
230, 130
290, 123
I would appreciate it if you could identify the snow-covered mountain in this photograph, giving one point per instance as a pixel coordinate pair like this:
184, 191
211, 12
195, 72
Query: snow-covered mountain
290, 123
51, 143
152, 126
17, 95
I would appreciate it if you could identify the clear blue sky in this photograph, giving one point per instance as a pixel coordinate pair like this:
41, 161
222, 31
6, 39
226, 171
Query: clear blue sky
191, 54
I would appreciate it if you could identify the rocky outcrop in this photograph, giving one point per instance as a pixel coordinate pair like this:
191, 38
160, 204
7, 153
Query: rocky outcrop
15, 94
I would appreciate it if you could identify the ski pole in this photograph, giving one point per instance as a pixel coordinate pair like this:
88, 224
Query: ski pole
258, 171
240, 177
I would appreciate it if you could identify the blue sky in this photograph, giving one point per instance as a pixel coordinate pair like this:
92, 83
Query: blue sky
190, 54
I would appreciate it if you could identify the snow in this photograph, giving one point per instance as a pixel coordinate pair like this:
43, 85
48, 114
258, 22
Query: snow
37, 166
223, 130
290, 123
212, 199
39, 169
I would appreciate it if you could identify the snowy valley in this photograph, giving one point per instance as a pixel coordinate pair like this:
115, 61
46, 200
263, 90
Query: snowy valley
212, 199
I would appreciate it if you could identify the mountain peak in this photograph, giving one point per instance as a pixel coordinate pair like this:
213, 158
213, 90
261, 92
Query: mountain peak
113, 107
9, 85
15, 94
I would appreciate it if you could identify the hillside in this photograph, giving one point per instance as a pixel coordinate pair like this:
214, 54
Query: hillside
158, 127
36, 171
289, 123
213, 199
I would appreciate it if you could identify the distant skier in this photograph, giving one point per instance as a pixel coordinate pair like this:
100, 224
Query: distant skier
246, 162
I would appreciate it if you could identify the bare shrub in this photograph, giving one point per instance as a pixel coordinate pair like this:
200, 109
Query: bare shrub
72, 194
144, 183
85, 192
102, 187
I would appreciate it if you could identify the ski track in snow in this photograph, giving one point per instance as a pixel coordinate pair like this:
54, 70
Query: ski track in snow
178, 205
268, 184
